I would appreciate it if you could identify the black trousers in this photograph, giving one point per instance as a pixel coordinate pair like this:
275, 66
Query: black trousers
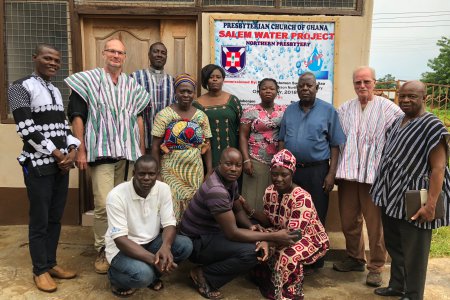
311, 179
47, 197
409, 247
222, 260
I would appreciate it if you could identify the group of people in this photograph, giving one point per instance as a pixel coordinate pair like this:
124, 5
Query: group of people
166, 176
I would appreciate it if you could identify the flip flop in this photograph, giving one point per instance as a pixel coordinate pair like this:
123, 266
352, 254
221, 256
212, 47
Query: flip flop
156, 285
122, 293
204, 289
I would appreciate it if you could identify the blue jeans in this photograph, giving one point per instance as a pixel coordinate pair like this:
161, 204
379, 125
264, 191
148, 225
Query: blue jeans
126, 272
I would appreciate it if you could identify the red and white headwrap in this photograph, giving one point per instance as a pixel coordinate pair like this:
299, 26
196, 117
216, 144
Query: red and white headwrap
285, 159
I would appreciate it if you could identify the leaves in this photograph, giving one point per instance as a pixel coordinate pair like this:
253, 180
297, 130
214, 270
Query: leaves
440, 64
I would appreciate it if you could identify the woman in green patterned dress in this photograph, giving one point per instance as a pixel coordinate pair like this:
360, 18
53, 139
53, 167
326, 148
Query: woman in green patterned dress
181, 135
223, 110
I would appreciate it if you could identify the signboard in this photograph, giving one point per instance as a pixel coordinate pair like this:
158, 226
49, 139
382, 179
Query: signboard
250, 50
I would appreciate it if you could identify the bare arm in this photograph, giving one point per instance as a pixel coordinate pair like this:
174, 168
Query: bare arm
134, 250
244, 134
164, 257
328, 183
156, 143
280, 145
140, 121
208, 160
227, 223
438, 161
78, 132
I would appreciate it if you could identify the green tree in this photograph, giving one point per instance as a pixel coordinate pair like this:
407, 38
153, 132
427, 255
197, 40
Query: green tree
386, 82
440, 64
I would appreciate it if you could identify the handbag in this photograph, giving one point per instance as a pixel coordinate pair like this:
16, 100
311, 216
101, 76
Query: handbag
415, 199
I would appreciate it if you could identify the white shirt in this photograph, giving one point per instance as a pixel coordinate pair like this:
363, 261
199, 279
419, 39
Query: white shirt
138, 218
365, 131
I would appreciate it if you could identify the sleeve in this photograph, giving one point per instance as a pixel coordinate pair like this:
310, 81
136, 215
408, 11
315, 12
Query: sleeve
140, 95
336, 135
248, 115
218, 201
77, 107
71, 140
20, 102
117, 216
167, 214
204, 124
160, 123
392, 112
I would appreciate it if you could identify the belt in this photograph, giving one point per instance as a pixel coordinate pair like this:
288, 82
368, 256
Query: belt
312, 164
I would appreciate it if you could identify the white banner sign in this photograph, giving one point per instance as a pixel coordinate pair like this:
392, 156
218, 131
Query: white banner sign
249, 51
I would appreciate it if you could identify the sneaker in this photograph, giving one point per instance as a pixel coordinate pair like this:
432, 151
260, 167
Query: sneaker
101, 264
374, 279
349, 264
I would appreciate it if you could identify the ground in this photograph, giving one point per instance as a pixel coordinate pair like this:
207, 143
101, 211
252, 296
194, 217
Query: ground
76, 252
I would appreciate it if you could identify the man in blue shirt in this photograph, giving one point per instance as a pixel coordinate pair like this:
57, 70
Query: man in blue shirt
310, 129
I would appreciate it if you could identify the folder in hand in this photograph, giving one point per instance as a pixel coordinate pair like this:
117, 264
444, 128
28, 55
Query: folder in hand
415, 199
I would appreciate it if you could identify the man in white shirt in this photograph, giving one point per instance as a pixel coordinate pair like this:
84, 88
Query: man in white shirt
136, 250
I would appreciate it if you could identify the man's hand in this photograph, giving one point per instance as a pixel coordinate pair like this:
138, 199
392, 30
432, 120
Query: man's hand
164, 260
424, 214
67, 163
284, 237
264, 248
328, 183
257, 227
80, 159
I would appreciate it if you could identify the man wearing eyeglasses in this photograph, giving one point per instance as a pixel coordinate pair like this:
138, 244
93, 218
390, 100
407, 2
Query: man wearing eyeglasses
364, 120
158, 84
105, 109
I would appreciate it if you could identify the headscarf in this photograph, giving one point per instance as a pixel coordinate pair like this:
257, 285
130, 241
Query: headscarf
206, 73
185, 77
285, 159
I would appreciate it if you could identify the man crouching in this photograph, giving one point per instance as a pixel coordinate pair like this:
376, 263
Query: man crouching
136, 250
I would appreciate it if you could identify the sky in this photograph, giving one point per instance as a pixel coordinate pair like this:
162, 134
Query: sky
404, 35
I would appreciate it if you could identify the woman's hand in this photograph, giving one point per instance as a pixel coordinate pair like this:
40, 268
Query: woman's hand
248, 167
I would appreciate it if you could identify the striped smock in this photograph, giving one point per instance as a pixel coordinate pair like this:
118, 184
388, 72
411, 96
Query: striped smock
111, 129
405, 166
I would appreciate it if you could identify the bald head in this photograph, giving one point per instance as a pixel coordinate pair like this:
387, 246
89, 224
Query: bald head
114, 42
411, 98
228, 151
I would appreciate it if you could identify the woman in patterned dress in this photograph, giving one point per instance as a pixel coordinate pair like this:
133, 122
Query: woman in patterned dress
288, 206
180, 138
223, 110
258, 141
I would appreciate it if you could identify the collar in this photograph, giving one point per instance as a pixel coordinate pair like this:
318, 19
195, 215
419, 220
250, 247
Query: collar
154, 71
40, 79
311, 107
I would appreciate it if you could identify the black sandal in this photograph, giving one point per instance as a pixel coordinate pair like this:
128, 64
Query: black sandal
204, 289
122, 293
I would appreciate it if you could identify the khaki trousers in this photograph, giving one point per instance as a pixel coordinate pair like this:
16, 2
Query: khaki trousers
354, 204
104, 178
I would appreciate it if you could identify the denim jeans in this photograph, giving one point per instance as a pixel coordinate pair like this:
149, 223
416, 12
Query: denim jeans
126, 272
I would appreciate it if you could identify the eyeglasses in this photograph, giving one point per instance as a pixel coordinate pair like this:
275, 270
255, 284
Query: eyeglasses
114, 52
365, 82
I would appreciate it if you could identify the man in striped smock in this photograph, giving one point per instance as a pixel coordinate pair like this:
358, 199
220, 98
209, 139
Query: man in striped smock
414, 158
364, 121
158, 84
106, 112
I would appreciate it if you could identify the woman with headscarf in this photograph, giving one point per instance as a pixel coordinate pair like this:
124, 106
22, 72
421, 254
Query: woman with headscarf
258, 141
288, 206
223, 110
181, 136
